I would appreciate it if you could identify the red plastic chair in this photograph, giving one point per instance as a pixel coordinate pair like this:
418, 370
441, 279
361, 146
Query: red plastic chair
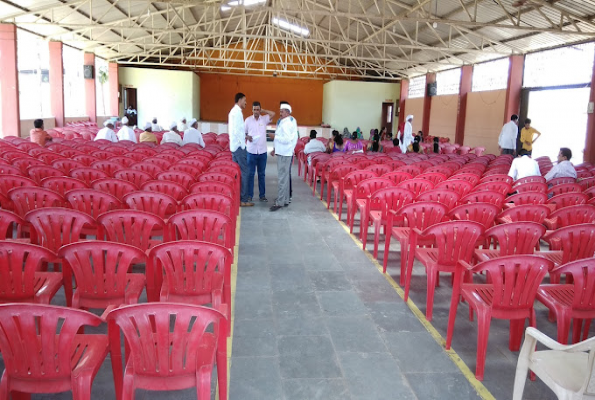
25, 163
223, 178
561, 181
452, 241
133, 176
40, 358
182, 178
567, 199
347, 184
575, 242
232, 169
102, 274
483, 197
8, 182
538, 187
565, 188
397, 177
461, 187
434, 177
10, 226
62, 184
48, 158
87, 175
512, 238
92, 202
26, 199
380, 169
173, 189
443, 196
482, 213
571, 215
379, 204
116, 187
587, 183
571, 301
420, 215
160, 162
333, 182
85, 159
38, 173
358, 198
497, 178
66, 165
528, 179
524, 198
498, 187
149, 168
528, 212
187, 168
108, 167
510, 295
125, 162
412, 170
153, 202
132, 227
10, 170
416, 186
473, 179
172, 347
219, 202
25, 282
206, 225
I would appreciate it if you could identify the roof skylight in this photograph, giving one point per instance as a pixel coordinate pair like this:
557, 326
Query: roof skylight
288, 26
246, 3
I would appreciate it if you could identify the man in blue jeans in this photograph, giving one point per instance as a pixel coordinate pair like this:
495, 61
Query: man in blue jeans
237, 144
256, 128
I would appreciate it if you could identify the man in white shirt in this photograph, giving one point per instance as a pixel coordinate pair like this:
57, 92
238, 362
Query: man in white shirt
107, 133
182, 125
155, 127
508, 135
192, 135
126, 132
285, 139
523, 166
172, 136
407, 134
256, 128
564, 168
237, 144
314, 146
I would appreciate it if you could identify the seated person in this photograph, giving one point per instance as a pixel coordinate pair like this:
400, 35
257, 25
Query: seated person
374, 145
412, 149
353, 143
338, 145
126, 132
523, 166
147, 136
396, 146
38, 135
172, 136
155, 127
436, 148
192, 135
564, 169
314, 146
107, 133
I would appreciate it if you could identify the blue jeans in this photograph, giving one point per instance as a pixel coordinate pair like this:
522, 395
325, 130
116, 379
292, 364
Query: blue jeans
257, 161
240, 158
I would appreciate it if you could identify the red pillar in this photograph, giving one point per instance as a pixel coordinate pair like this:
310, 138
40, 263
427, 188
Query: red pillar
57, 83
114, 98
425, 125
464, 90
515, 84
589, 155
9, 81
90, 97
402, 98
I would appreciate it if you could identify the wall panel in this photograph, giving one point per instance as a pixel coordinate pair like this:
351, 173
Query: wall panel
484, 119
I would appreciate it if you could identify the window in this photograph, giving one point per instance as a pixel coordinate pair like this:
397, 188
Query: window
417, 87
449, 82
564, 66
74, 83
102, 87
33, 60
492, 75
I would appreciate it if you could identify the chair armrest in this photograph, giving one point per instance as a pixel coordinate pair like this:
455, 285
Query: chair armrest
550, 343
467, 266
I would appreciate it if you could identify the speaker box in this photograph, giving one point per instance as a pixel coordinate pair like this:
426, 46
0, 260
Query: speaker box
88, 72
432, 89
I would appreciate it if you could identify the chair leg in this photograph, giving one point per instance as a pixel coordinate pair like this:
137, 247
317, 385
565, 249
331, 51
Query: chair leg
577, 325
563, 322
81, 389
363, 229
431, 276
222, 375
405, 254
386, 251
377, 228
484, 318
410, 259
586, 327
515, 336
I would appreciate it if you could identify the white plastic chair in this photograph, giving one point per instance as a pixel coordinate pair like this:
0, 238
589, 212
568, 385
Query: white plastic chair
564, 369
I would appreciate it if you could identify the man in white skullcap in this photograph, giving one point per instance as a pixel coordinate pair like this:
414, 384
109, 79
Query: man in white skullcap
192, 135
126, 132
182, 125
147, 136
155, 127
172, 136
407, 134
285, 139
107, 133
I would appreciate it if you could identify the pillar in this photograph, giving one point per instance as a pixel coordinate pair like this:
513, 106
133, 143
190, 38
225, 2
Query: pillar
113, 82
425, 126
90, 96
9, 81
402, 98
464, 90
57, 83
513, 89
589, 155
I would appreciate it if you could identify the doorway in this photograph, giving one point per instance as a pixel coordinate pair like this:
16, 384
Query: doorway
561, 117
387, 117
130, 100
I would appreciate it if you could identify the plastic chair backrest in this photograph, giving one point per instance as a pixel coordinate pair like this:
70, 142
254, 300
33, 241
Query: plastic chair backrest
496, 178
523, 198
87, 175
186, 168
212, 187
379, 169
66, 165
222, 203
8, 182
217, 177
461, 187
423, 214
25, 163
173, 189
390, 198
131, 227
9, 222
561, 181
368, 186
574, 215
160, 162
86, 159
583, 274
516, 237
568, 199
434, 177
40, 172
37, 341
397, 177
528, 179
530, 187
149, 168
92, 202
442, 196
100, 268
482, 213
57, 226
514, 279
48, 158
527, 212
182, 178
125, 162
165, 338
577, 241
108, 167
26, 199
498, 187
62, 184
412, 170
484, 197
469, 177
20, 261
454, 240
565, 188
157, 203
417, 186
206, 225
340, 171
116, 187
133, 176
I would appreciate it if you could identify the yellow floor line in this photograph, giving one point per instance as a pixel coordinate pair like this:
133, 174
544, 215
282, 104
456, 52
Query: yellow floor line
481, 390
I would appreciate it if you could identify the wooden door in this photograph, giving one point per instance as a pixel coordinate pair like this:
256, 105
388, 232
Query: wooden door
387, 117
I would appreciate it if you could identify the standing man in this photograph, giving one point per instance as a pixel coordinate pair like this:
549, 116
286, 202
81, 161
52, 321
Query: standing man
256, 127
285, 140
508, 134
192, 135
131, 114
527, 134
237, 144
407, 134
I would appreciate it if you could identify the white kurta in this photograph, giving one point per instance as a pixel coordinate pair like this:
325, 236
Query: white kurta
107, 134
407, 137
126, 133
192, 135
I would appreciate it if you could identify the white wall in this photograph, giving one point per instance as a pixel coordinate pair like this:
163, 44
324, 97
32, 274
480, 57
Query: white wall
352, 104
164, 94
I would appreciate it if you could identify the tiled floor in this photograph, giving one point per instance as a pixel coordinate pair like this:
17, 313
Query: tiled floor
315, 319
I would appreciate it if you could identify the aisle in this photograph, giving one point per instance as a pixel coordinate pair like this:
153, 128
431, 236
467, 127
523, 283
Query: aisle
314, 319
